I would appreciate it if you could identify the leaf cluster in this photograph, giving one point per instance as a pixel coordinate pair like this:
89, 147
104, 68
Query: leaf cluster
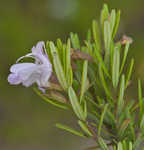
92, 79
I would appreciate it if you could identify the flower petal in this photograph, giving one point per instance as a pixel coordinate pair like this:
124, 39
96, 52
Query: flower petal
32, 79
14, 79
39, 48
45, 76
25, 70
21, 66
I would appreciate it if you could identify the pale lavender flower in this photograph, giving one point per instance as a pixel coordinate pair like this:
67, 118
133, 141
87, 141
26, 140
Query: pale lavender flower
28, 73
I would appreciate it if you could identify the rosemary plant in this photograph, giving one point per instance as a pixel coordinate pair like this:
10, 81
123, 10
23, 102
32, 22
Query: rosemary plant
92, 79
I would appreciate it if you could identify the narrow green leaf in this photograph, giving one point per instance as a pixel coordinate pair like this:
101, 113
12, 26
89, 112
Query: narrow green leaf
130, 146
107, 41
124, 145
84, 80
102, 144
129, 72
59, 105
63, 127
96, 34
116, 24
110, 118
132, 127
125, 56
104, 83
48, 51
68, 63
116, 65
112, 20
71, 76
142, 123
99, 58
123, 127
75, 41
59, 45
64, 58
104, 16
111, 56
97, 55
121, 95
85, 109
58, 67
114, 147
101, 119
120, 147
84, 128
75, 104
140, 98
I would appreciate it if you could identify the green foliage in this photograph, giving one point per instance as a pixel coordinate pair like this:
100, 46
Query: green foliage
66, 128
76, 105
94, 82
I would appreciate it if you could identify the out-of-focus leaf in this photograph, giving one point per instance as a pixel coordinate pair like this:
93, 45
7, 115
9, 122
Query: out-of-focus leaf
112, 46
99, 58
125, 56
107, 41
59, 45
84, 128
85, 109
84, 80
129, 72
64, 58
121, 95
112, 20
131, 126
66, 128
125, 145
142, 124
75, 41
116, 24
130, 146
48, 51
101, 119
137, 142
53, 102
123, 127
56, 96
104, 84
104, 16
88, 36
140, 98
116, 65
75, 104
102, 144
69, 73
119, 147
96, 34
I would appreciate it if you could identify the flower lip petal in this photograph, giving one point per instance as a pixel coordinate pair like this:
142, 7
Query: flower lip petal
14, 79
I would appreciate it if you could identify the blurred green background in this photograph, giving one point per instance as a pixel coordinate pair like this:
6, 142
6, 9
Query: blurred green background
26, 121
